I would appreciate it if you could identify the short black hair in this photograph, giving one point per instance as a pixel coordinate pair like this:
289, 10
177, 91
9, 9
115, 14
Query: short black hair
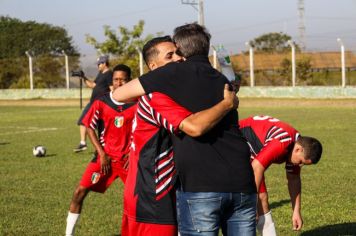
149, 49
312, 148
192, 39
123, 67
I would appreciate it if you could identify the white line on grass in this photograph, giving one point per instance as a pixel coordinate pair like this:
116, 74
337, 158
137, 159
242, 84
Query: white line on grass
30, 130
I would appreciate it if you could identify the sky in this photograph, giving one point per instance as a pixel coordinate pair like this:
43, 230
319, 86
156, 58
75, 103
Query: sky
230, 22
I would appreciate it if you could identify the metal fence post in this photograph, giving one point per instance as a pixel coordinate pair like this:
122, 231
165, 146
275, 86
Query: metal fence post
343, 71
140, 60
30, 67
293, 62
252, 75
67, 68
214, 57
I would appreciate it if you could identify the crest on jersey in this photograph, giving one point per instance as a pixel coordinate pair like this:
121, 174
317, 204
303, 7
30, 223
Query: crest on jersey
95, 177
119, 121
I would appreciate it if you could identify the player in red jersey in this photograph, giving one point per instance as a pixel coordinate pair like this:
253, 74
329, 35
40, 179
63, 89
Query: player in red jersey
149, 196
111, 156
273, 141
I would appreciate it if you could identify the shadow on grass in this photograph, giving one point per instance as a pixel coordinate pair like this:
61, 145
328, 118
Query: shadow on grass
332, 230
47, 155
279, 203
51, 155
4, 143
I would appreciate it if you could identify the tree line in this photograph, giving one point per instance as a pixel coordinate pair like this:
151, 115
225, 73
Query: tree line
47, 43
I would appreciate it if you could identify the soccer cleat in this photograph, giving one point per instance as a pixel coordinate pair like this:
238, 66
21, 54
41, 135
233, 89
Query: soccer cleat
80, 148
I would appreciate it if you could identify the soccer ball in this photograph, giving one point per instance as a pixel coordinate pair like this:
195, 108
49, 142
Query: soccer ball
39, 151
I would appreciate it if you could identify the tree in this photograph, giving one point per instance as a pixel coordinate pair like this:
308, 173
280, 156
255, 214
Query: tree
44, 41
303, 70
272, 42
123, 45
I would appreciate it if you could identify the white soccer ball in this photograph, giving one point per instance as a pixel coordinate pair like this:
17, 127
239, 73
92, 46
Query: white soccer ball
39, 151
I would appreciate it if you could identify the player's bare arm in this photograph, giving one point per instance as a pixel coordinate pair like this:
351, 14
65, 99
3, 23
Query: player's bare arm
258, 170
104, 159
129, 91
201, 122
294, 188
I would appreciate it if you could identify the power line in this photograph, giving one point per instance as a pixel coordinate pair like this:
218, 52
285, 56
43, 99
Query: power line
256, 25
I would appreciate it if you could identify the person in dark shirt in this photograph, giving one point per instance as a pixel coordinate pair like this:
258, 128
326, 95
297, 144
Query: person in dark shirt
149, 196
101, 85
217, 187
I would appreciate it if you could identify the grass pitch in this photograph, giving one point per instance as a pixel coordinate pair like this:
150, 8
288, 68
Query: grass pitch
35, 192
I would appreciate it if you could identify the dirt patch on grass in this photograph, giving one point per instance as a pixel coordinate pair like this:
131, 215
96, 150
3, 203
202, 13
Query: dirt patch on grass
244, 102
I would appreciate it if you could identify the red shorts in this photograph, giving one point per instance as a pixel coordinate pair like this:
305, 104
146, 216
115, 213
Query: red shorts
98, 182
131, 227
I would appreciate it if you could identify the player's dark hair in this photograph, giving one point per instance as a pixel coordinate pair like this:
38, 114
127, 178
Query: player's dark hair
124, 68
150, 51
192, 39
312, 148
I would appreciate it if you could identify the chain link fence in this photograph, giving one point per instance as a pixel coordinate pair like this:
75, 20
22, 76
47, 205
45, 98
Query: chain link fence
311, 68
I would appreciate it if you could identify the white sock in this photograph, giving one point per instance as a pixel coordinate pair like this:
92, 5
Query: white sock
83, 142
72, 220
265, 225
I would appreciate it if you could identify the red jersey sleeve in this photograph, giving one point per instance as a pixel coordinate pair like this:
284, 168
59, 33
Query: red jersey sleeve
91, 117
272, 152
169, 113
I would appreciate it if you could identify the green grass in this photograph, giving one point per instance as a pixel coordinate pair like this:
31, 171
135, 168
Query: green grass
35, 192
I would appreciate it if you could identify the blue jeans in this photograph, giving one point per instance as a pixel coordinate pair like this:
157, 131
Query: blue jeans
203, 213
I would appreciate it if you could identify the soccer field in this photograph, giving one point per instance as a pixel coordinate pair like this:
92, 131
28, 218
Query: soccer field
35, 192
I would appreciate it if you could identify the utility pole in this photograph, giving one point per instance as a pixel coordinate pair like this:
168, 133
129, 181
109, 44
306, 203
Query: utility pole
200, 8
301, 26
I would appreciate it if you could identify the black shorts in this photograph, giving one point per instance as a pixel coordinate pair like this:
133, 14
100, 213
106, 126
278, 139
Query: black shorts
84, 112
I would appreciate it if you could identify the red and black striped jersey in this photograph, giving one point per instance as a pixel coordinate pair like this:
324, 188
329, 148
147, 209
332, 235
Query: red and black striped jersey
148, 195
271, 140
117, 118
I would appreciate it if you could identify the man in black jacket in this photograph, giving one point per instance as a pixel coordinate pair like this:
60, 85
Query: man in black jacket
217, 188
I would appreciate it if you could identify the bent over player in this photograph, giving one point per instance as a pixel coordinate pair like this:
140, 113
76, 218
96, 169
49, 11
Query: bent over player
111, 156
274, 141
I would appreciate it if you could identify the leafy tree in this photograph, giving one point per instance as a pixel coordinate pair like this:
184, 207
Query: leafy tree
286, 69
43, 41
272, 42
303, 70
123, 45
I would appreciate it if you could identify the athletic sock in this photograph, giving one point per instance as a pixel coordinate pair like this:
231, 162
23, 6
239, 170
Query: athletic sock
265, 225
72, 220
83, 142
